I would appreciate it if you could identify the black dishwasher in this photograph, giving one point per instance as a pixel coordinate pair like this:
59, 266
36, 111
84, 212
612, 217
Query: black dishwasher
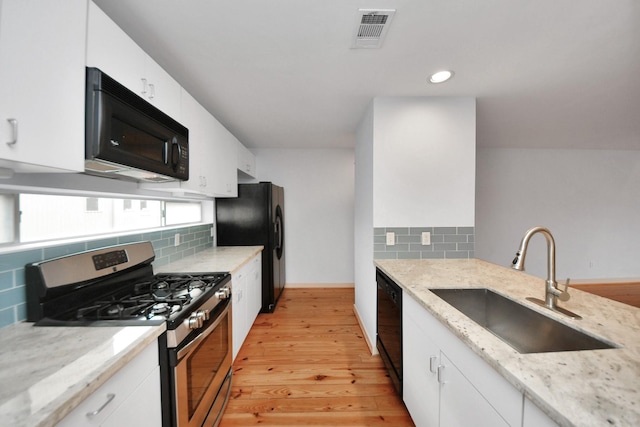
389, 327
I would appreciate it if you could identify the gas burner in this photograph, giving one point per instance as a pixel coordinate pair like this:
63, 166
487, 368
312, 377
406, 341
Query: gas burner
161, 291
114, 311
161, 308
197, 284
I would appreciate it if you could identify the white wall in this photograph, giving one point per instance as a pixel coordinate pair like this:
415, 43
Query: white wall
365, 276
589, 199
318, 187
415, 166
424, 161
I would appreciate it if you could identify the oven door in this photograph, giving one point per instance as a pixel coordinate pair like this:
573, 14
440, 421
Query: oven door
202, 372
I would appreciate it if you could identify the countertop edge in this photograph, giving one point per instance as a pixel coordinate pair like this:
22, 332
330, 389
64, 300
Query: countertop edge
16, 409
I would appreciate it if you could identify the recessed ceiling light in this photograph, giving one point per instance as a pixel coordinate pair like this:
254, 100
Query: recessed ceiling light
440, 76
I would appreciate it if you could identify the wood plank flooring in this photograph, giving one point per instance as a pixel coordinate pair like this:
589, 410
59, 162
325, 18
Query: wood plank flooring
307, 364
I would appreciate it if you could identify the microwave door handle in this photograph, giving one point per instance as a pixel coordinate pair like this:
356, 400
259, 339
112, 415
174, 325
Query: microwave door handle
165, 153
175, 161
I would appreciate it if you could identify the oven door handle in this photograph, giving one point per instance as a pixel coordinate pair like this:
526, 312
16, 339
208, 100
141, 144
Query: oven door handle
187, 349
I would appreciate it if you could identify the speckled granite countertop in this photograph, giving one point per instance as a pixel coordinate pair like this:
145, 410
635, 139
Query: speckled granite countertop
216, 259
45, 372
577, 388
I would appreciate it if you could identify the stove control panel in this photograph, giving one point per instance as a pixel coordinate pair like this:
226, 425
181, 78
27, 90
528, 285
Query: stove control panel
109, 259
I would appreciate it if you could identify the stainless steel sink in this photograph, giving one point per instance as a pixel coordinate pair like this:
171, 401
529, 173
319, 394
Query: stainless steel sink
522, 328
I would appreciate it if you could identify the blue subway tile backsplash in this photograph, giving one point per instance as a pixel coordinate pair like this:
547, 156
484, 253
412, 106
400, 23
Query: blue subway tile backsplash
446, 242
12, 279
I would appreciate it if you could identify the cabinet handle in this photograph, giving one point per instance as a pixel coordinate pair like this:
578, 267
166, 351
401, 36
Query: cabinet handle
14, 127
152, 91
440, 375
144, 86
110, 397
433, 360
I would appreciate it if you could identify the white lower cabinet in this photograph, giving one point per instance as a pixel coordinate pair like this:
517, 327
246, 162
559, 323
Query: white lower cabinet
247, 300
130, 397
445, 383
534, 417
420, 388
254, 289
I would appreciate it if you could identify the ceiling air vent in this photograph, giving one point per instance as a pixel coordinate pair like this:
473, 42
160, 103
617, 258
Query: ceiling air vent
372, 27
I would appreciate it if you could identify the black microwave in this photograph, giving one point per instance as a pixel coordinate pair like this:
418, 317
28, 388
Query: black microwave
129, 138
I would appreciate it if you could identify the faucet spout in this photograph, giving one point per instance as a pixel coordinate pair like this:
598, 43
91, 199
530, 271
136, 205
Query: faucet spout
552, 293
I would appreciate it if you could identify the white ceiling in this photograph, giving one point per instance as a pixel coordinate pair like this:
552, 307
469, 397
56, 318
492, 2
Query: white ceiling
281, 73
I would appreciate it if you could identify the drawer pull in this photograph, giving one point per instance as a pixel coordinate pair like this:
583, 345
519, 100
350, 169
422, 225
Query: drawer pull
440, 375
433, 364
14, 127
110, 397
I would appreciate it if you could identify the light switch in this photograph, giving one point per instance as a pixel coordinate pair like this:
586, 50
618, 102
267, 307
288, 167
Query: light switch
391, 238
177, 240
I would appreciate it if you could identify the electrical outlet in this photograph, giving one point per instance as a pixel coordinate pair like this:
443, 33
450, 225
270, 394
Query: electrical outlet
177, 240
391, 238
426, 238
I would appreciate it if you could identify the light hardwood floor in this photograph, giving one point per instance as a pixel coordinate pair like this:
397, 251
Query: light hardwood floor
307, 364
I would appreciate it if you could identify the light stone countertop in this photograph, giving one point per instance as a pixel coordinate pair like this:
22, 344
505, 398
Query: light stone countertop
46, 371
217, 259
576, 388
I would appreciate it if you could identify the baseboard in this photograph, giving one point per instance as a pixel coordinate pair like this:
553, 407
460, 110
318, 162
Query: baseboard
372, 348
319, 285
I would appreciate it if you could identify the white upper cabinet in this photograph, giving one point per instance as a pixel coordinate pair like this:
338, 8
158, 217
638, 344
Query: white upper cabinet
246, 161
111, 50
42, 94
224, 161
212, 154
197, 120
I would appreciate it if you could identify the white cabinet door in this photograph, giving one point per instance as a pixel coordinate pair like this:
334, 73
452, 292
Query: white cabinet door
239, 310
534, 417
42, 91
162, 90
111, 50
421, 358
461, 405
223, 165
246, 281
117, 397
463, 389
246, 161
197, 120
254, 289
142, 408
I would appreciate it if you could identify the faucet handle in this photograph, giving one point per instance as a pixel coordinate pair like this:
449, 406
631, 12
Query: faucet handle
564, 294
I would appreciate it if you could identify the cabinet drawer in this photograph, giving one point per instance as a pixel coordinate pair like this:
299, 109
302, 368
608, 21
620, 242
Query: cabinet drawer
109, 396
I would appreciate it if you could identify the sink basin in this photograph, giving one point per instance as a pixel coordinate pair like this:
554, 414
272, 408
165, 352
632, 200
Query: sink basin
522, 328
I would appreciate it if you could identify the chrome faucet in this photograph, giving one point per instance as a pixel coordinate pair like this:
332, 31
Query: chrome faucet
552, 292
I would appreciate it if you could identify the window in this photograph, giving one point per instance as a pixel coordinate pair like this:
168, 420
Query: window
7, 212
50, 217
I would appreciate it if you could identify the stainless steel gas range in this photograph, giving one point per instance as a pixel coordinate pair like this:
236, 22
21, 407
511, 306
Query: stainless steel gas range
116, 286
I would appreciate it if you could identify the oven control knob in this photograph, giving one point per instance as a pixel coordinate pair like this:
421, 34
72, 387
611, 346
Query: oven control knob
195, 321
223, 293
203, 314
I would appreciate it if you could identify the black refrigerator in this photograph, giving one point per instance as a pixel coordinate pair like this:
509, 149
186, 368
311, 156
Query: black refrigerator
256, 217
